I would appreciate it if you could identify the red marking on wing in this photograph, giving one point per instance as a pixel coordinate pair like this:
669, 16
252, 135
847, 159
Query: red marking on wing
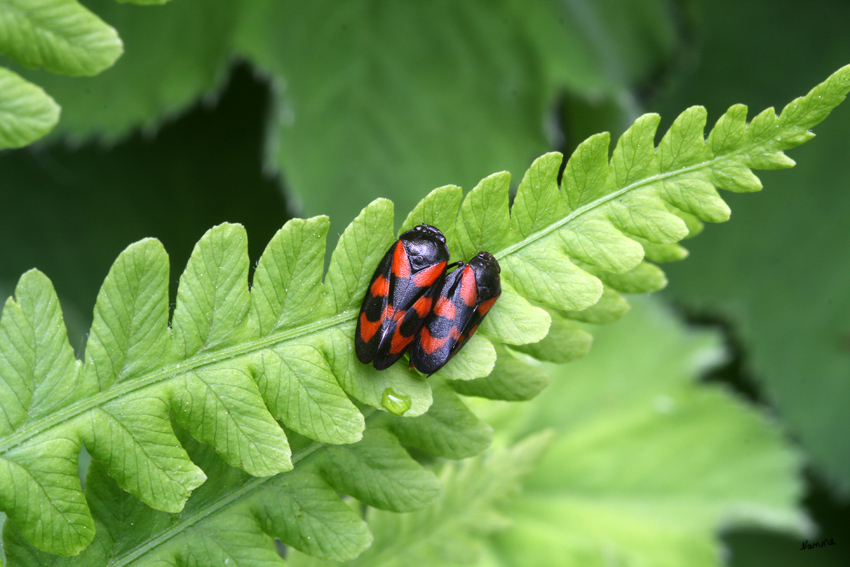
380, 287
398, 315
399, 342
401, 263
468, 287
445, 308
422, 306
428, 276
388, 313
485, 307
431, 345
368, 328
472, 331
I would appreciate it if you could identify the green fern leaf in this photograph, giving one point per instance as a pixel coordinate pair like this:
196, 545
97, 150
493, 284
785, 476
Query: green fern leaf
234, 363
564, 343
59, 35
511, 379
230, 516
450, 531
205, 526
26, 112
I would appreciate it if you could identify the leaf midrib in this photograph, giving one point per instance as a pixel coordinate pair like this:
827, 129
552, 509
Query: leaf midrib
206, 511
169, 371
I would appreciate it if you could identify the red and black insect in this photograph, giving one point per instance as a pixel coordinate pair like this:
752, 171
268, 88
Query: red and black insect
400, 295
462, 301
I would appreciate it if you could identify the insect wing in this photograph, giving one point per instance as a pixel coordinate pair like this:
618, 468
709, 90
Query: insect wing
403, 330
373, 312
465, 298
432, 346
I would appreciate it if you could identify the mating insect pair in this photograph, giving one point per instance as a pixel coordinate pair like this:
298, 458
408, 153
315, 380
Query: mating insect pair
411, 303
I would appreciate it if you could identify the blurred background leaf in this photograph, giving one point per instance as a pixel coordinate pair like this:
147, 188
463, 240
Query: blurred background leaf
392, 99
69, 211
172, 55
786, 290
647, 464
782, 296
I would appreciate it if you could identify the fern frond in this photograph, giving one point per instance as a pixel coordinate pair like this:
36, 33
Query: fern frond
234, 363
220, 369
229, 517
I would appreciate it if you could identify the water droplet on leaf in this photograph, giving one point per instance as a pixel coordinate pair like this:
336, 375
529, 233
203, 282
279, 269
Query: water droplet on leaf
395, 403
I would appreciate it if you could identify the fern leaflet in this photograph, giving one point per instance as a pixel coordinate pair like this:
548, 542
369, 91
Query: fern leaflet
60, 36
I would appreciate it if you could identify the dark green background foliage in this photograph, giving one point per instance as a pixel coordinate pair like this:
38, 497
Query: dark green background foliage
260, 110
